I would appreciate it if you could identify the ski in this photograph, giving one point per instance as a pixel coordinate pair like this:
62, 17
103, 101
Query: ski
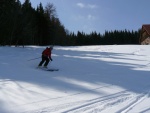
52, 70
48, 69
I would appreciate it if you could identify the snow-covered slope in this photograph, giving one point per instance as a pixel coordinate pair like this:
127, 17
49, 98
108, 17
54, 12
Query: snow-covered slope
91, 79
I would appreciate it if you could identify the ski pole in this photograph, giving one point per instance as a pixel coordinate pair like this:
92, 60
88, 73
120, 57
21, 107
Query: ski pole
33, 59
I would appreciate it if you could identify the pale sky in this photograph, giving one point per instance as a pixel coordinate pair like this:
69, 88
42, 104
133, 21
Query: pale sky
100, 15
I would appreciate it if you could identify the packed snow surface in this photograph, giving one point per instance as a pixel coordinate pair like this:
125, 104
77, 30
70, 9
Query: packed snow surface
91, 79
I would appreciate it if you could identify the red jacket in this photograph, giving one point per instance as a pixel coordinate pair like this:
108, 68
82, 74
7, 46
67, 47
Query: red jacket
47, 52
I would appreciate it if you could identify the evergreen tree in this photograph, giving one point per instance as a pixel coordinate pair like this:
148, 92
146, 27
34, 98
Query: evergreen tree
28, 23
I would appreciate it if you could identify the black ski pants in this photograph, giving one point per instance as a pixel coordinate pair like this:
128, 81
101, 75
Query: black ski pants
44, 59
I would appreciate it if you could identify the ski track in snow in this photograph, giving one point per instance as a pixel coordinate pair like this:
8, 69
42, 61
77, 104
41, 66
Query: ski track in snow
134, 101
82, 106
97, 105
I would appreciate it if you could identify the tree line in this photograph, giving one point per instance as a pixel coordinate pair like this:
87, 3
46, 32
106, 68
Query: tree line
21, 24
108, 38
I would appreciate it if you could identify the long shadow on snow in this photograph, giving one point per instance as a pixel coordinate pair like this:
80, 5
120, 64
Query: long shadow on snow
89, 67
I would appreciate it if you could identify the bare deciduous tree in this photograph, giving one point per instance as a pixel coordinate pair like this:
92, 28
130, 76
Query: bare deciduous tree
50, 10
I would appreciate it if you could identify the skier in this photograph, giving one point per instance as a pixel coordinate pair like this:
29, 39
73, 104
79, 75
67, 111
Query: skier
46, 57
